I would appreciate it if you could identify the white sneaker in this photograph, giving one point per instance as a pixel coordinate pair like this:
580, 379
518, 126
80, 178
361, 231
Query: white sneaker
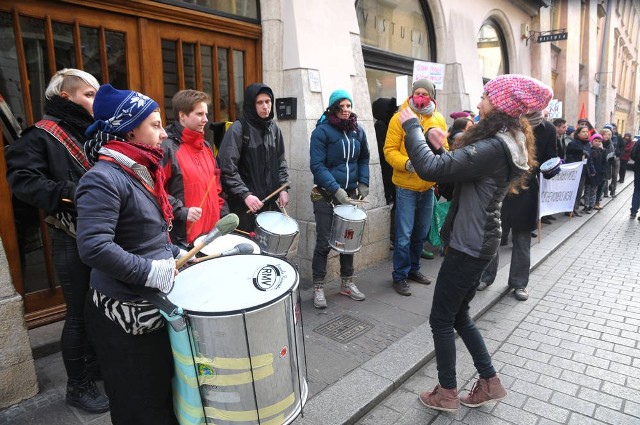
350, 289
319, 301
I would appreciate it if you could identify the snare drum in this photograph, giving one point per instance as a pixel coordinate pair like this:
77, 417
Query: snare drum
551, 168
243, 348
225, 242
275, 232
347, 228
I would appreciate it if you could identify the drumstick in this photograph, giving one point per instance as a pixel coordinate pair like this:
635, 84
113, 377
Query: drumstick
224, 226
284, 211
67, 200
280, 189
241, 248
207, 191
250, 234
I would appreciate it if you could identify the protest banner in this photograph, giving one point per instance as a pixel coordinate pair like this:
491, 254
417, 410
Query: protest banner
429, 71
558, 194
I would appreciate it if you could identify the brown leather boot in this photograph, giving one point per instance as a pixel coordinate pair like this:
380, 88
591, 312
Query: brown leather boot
485, 390
441, 399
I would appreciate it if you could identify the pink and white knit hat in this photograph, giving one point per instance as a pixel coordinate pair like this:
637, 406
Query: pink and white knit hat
516, 94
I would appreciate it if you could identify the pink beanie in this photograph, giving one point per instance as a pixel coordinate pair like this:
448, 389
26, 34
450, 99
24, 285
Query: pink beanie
461, 114
516, 94
595, 136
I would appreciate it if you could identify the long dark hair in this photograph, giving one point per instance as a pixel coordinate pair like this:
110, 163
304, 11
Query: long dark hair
495, 123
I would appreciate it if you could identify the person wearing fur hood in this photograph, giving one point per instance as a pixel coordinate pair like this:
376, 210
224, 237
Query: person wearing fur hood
494, 157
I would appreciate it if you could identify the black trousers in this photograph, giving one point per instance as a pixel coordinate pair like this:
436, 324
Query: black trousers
137, 370
73, 277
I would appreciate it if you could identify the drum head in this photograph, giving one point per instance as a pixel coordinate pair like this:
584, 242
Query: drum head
549, 164
350, 212
231, 284
277, 223
224, 243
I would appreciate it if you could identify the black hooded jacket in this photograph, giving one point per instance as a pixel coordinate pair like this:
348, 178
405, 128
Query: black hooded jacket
257, 166
383, 109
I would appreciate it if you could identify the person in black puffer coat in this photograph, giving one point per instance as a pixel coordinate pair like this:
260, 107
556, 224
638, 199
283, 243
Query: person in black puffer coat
43, 170
495, 156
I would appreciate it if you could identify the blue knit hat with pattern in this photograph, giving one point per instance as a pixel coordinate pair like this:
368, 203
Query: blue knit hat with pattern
338, 95
119, 111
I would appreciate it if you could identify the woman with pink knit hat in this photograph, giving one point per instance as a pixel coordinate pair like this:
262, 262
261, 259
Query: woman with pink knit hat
494, 157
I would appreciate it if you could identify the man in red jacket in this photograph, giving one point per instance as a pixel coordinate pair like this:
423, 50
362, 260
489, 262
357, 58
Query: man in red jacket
193, 177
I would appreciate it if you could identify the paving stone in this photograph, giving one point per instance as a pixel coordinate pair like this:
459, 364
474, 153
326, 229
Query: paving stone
614, 417
546, 410
558, 385
571, 403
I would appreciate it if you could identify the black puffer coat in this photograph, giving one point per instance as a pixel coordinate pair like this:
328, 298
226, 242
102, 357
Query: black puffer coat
482, 172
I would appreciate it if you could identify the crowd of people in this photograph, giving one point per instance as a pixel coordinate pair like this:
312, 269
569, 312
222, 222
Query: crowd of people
126, 196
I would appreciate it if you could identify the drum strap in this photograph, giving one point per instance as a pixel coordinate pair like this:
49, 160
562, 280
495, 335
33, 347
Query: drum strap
160, 302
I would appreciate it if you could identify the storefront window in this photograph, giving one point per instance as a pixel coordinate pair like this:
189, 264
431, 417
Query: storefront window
393, 35
492, 51
398, 27
237, 8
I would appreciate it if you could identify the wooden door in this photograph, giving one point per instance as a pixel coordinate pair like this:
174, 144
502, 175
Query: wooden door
181, 57
147, 46
38, 39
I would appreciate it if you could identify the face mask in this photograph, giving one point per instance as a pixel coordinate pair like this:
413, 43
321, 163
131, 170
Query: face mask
421, 101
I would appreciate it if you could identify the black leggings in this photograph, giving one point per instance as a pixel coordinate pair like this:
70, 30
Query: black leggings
73, 277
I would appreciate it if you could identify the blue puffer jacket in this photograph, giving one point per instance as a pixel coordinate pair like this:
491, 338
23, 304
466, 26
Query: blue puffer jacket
339, 160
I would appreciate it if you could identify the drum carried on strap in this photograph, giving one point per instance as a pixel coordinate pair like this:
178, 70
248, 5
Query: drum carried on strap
347, 228
551, 168
239, 355
275, 232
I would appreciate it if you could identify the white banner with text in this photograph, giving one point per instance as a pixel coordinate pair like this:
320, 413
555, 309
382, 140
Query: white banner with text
558, 194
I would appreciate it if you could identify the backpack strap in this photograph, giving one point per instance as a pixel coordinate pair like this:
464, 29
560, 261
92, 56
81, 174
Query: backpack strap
61, 136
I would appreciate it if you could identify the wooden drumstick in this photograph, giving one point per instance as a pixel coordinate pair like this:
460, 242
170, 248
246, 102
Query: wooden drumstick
275, 192
67, 200
250, 234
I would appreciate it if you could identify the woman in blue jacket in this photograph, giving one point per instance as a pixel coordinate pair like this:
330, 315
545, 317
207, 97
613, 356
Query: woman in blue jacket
339, 159
124, 216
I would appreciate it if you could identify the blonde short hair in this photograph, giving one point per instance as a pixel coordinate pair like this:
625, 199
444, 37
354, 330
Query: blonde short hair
69, 79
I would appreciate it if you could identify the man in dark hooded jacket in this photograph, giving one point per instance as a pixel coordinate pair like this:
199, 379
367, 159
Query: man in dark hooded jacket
252, 161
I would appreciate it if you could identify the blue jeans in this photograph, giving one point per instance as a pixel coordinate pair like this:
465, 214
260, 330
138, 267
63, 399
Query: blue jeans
413, 219
455, 288
635, 199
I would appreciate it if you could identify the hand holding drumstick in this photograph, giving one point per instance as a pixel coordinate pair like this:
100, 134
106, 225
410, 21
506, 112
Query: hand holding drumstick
255, 204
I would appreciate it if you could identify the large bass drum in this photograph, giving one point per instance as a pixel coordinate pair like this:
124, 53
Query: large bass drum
241, 358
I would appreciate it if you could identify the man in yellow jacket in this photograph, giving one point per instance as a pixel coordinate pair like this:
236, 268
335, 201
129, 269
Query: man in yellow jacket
414, 196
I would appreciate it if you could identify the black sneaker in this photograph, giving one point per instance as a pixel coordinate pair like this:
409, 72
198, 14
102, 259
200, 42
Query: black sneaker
86, 396
402, 287
418, 277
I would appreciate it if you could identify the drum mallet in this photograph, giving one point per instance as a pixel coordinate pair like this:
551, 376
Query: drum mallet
275, 192
252, 235
225, 225
241, 248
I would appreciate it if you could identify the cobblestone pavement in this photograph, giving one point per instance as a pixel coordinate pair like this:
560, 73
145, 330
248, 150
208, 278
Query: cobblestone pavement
568, 355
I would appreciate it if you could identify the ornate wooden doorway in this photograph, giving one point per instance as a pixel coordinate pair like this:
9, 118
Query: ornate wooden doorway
146, 46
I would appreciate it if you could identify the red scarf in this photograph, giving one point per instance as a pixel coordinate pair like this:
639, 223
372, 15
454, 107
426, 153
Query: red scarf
150, 158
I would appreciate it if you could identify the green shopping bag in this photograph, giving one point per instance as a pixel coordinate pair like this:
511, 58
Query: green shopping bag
440, 210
